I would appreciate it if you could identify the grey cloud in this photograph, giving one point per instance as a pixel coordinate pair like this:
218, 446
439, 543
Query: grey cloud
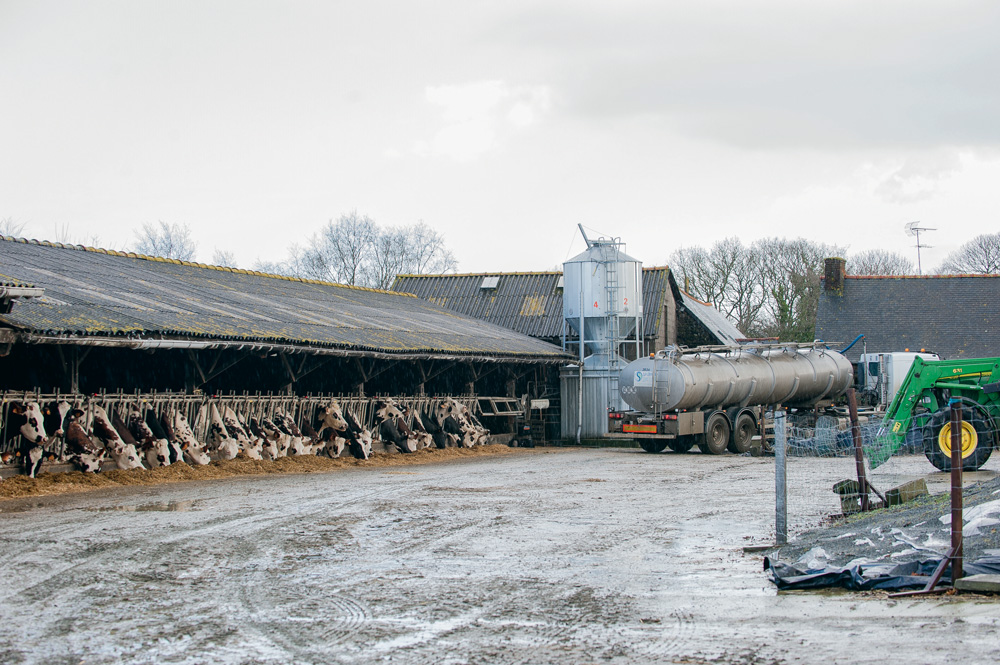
842, 74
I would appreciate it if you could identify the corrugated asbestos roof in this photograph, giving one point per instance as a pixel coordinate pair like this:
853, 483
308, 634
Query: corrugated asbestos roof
530, 303
92, 292
955, 316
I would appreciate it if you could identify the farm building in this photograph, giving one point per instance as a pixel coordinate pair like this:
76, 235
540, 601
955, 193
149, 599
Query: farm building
83, 320
532, 304
954, 316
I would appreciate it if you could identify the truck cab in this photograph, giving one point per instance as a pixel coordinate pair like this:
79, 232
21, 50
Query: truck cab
879, 375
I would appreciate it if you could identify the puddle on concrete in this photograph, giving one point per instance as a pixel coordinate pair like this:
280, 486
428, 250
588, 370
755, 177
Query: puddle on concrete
162, 506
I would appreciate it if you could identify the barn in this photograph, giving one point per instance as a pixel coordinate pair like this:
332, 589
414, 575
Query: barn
84, 321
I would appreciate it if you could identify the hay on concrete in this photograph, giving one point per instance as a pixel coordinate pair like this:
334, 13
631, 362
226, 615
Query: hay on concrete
47, 484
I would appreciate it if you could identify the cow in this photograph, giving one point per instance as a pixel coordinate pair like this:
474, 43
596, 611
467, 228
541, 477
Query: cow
175, 453
359, 439
194, 450
218, 435
297, 444
84, 453
156, 451
392, 426
26, 424
269, 446
331, 427
123, 453
423, 437
251, 448
276, 441
433, 423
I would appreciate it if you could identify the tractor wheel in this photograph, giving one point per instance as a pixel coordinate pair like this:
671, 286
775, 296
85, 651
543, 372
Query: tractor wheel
977, 439
681, 444
653, 445
743, 433
715, 440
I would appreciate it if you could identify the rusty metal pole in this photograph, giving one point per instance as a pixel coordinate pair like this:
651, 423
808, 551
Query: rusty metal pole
859, 455
956, 489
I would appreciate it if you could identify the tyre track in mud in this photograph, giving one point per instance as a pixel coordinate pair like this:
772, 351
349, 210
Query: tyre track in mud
566, 557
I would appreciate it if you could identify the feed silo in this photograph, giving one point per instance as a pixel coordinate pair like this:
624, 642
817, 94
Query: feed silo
602, 313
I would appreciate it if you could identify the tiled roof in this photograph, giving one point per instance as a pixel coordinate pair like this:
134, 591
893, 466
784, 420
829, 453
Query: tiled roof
93, 292
955, 316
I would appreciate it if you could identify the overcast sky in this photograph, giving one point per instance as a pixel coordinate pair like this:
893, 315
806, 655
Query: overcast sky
503, 124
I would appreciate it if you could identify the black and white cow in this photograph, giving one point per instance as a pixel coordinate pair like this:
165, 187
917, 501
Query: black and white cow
156, 450
194, 450
392, 428
26, 425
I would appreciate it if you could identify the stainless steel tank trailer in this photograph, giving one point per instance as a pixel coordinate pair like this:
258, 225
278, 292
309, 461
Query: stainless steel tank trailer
716, 397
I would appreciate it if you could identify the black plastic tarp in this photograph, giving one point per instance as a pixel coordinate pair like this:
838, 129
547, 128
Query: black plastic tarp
865, 577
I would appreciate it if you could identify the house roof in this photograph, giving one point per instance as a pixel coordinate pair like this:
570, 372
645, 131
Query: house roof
532, 303
955, 316
144, 301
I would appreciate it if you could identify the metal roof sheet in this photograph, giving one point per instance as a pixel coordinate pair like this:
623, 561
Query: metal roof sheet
530, 303
92, 292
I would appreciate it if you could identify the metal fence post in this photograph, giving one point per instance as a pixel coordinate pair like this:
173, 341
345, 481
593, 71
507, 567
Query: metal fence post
780, 481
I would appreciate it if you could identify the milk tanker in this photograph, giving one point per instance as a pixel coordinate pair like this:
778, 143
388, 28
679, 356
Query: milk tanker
716, 397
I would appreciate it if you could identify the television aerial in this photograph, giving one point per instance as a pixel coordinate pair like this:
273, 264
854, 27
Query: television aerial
913, 229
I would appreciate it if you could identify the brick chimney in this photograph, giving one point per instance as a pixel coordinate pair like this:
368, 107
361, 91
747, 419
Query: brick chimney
834, 270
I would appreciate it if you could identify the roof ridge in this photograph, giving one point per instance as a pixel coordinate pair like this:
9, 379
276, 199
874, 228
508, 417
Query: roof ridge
921, 276
501, 273
193, 264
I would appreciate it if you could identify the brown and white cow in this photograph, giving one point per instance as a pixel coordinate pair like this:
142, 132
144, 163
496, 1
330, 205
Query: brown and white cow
268, 437
86, 454
123, 453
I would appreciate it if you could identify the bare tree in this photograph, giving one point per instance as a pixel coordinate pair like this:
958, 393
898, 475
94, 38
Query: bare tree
354, 250
879, 262
729, 276
171, 241
11, 227
769, 289
223, 257
792, 271
410, 250
979, 256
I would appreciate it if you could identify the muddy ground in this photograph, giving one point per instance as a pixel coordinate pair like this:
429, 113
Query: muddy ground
544, 556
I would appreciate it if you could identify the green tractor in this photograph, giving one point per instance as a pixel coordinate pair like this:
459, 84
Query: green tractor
921, 405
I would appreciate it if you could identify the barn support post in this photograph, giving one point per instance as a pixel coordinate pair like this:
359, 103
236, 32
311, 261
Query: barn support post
290, 386
71, 366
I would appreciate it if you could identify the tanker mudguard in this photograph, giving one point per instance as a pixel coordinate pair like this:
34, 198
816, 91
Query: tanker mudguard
795, 375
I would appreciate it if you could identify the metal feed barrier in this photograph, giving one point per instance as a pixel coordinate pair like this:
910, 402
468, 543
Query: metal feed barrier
250, 405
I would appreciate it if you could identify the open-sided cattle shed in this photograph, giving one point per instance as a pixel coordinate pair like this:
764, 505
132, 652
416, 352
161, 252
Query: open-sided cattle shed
81, 319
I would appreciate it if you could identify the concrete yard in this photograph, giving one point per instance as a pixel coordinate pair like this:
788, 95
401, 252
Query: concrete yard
546, 556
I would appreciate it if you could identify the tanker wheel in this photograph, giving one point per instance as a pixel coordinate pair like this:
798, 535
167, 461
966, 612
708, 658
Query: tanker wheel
681, 444
977, 439
653, 445
743, 433
715, 440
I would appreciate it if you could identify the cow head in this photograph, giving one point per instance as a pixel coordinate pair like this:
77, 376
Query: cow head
331, 416
33, 427
386, 410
